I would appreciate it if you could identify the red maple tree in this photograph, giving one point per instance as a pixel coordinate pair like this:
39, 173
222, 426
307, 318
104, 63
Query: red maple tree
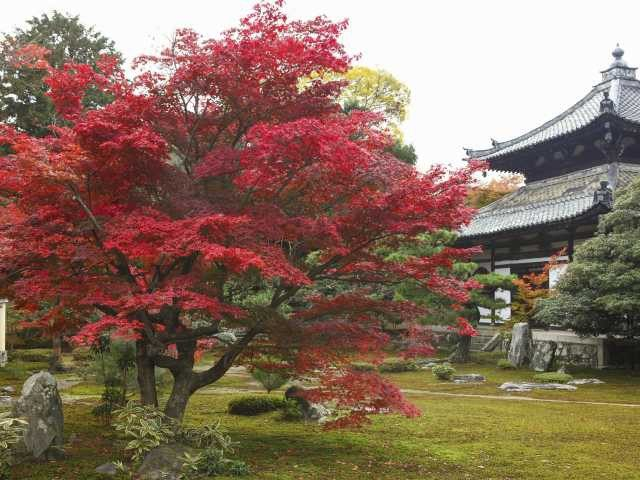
215, 194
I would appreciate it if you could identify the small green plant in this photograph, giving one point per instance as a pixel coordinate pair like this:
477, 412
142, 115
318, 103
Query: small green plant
269, 380
291, 410
211, 462
505, 364
552, 377
255, 405
208, 436
11, 432
443, 371
145, 427
363, 367
397, 366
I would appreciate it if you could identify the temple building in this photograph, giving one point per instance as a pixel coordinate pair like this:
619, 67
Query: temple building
573, 164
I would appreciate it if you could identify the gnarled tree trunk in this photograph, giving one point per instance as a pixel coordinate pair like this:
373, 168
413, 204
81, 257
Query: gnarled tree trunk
146, 375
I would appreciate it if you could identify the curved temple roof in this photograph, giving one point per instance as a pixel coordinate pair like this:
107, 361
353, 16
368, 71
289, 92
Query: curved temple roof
546, 201
619, 84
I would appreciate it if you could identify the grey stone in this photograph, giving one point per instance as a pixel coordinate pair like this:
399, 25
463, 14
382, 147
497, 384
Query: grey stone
468, 378
585, 381
311, 412
107, 469
8, 390
543, 355
163, 462
41, 406
527, 387
521, 345
5, 401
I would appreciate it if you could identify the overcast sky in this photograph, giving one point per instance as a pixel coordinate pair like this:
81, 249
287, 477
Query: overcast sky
476, 69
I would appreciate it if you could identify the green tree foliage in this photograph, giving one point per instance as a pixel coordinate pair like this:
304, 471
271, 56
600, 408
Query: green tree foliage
440, 308
600, 292
23, 100
380, 92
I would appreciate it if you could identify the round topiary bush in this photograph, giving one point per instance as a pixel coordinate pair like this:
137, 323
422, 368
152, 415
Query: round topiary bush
443, 371
552, 377
255, 405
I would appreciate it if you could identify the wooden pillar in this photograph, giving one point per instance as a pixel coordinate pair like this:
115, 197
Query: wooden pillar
572, 234
493, 257
3, 331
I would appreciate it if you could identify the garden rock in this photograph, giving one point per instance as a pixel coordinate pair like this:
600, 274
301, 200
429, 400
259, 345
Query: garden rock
8, 390
41, 406
163, 462
5, 401
311, 412
521, 345
585, 381
468, 378
527, 387
543, 354
107, 469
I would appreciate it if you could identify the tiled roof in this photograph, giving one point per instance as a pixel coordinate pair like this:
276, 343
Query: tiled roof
546, 201
623, 89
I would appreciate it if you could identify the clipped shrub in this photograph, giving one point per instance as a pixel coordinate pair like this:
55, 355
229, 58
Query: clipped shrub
505, 364
34, 355
443, 371
397, 366
363, 367
291, 410
269, 380
255, 405
552, 377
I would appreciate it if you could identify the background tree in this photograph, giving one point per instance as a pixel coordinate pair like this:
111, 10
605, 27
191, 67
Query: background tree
23, 94
213, 194
600, 292
484, 194
380, 92
462, 318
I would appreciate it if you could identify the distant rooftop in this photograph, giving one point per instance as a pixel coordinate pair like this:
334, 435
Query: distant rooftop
617, 94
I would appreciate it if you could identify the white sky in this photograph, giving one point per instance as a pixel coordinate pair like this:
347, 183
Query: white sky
476, 69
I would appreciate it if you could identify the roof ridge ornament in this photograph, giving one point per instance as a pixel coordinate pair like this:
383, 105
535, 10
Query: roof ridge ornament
603, 195
606, 104
619, 67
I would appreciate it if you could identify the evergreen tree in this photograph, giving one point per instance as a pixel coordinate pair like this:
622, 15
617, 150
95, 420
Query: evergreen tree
600, 292
23, 94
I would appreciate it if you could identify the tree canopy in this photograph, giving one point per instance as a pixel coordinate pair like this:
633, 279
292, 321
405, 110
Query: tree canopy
24, 102
213, 196
600, 291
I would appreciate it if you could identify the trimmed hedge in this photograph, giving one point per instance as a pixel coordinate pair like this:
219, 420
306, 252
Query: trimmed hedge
553, 377
255, 405
363, 367
34, 355
397, 366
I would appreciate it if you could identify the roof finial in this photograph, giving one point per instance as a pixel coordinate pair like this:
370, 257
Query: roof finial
617, 54
606, 104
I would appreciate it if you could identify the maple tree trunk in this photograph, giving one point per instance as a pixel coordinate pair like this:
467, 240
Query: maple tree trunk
146, 375
56, 347
461, 353
180, 394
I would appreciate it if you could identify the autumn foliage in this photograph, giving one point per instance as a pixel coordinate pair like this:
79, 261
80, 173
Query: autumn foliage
213, 195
